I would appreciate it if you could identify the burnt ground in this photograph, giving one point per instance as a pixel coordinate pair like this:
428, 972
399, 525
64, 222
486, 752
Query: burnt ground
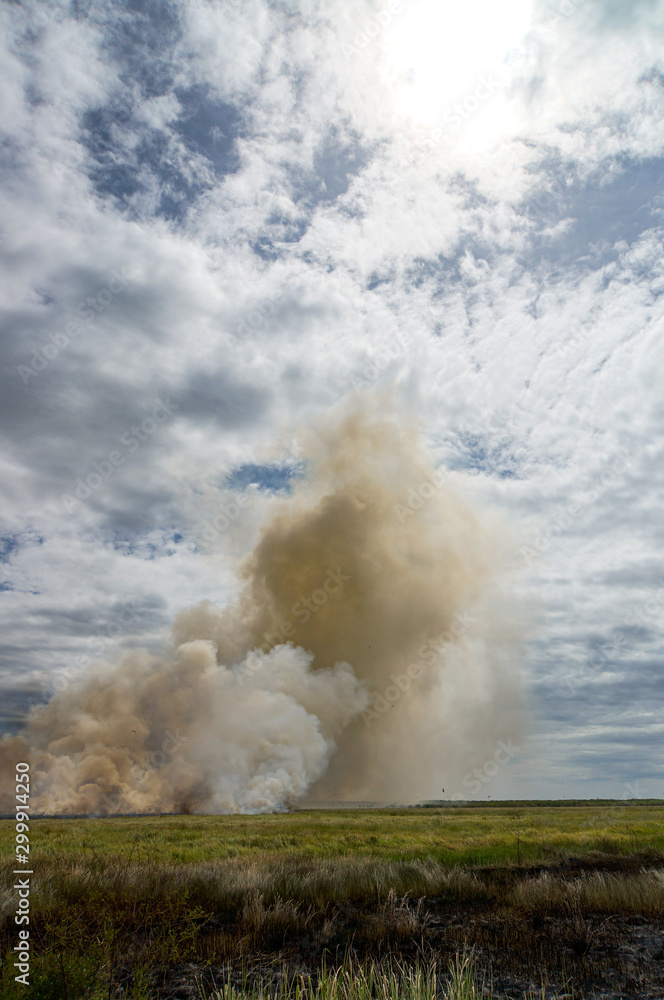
595, 957
517, 950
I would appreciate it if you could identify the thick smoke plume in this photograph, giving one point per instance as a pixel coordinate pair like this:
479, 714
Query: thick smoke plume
368, 654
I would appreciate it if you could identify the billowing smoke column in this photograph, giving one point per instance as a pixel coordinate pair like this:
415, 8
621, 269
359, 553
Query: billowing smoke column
368, 654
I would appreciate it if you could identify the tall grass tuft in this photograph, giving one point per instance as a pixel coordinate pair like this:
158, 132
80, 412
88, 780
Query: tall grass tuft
384, 981
595, 892
388, 980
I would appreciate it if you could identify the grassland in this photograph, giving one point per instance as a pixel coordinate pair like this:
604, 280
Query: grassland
456, 836
314, 902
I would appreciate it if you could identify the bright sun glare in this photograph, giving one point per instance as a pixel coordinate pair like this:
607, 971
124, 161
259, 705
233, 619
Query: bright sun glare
440, 49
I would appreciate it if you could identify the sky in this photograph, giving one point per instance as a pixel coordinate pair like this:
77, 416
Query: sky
219, 218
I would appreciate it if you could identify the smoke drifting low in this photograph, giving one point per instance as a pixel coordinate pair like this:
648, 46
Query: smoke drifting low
368, 654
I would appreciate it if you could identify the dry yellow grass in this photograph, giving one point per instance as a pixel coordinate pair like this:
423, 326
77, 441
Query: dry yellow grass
596, 892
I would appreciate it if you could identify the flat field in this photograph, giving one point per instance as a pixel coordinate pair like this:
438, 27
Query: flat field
474, 835
565, 897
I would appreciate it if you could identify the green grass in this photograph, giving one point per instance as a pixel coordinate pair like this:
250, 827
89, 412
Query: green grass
454, 836
387, 980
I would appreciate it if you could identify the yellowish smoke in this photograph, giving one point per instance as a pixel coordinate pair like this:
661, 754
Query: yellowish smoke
368, 654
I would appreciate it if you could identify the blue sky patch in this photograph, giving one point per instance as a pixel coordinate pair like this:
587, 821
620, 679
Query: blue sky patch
271, 478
